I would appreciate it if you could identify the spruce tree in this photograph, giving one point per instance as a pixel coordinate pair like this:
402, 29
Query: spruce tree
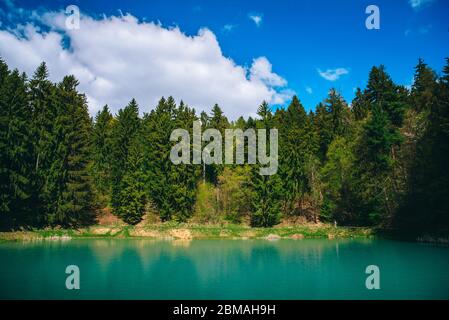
423, 88
131, 198
375, 185
171, 188
267, 190
298, 146
339, 113
102, 151
157, 127
425, 207
217, 121
16, 150
69, 177
360, 107
44, 112
124, 134
183, 178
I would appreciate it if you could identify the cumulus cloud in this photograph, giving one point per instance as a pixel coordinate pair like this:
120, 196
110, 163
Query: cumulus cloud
257, 18
118, 58
333, 74
418, 4
309, 90
261, 69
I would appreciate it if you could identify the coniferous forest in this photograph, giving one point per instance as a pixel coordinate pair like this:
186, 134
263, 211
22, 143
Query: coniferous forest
379, 160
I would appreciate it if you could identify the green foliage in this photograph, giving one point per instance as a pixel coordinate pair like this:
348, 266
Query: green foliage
46, 153
131, 198
423, 88
206, 207
172, 188
218, 121
380, 163
267, 190
426, 205
235, 193
360, 107
298, 146
126, 166
337, 178
102, 151
16, 148
332, 119
69, 176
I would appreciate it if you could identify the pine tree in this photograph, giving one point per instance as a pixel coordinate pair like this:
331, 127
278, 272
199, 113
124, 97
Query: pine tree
157, 127
131, 198
102, 151
426, 205
44, 112
382, 92
323, 128
376, 162
373, 167
297, 147
183, 178
124, 134
360, 107
339, 113
332, 119
16, 150
267, 190
217, 121
69, 178
423, 88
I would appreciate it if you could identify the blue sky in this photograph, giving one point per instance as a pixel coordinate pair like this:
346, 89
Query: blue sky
300, 37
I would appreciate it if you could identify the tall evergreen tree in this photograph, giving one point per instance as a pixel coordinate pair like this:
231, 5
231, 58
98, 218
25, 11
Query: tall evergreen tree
172, 188
298, 146
423, 88
16, 150
217, 121
376, 161
360, 106
267, 189
44, 112
157, 126
339, 113
426, 205
183, 178
131, 197
69, 177
102, 151
124, 135
323, 128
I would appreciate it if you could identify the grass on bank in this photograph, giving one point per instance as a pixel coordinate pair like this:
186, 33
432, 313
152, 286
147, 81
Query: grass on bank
187, 231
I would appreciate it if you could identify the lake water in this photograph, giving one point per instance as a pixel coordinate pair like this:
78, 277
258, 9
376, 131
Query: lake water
223, 269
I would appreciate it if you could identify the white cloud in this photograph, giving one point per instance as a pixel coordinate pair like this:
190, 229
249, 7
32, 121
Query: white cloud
261, 69
309, 90
118, 58
418, 4
227, 28
257, 18
333, 74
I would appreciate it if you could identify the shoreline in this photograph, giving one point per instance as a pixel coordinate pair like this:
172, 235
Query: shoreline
184, 231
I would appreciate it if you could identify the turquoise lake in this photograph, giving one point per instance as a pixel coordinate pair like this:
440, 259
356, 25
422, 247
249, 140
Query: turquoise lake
223, 269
